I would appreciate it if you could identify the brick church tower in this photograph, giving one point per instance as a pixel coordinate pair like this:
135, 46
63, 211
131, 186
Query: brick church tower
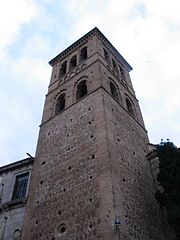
91, 179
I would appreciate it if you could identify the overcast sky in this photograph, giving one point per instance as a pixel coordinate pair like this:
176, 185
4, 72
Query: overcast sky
32, 32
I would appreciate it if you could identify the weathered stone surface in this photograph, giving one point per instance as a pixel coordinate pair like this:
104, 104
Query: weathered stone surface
91, 161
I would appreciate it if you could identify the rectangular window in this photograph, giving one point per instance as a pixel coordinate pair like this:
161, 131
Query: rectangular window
20, 186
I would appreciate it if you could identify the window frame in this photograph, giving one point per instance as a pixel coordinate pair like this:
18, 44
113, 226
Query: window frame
130, 106
78, 84
56, 103
62, 68
14, 194
71, 67
81, 58
115, 94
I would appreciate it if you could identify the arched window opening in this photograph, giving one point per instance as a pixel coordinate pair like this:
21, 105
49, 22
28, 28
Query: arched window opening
114, 91
114, 65
106, 55
121, 70
83, 54
63, 69
73, 62
81, 90
60, 103
129, 106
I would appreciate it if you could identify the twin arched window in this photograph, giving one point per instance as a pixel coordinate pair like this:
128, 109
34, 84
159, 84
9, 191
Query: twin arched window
81, 91
117, 68
73, 62
114, 93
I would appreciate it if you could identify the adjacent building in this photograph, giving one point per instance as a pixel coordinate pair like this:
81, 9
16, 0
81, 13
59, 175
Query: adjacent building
91, 178
14, 184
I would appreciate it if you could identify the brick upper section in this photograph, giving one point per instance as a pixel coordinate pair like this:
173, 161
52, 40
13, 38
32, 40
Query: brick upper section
82, 40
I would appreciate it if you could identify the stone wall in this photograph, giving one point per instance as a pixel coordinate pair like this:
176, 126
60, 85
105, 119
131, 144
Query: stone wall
91, 162
133, 186
71, 184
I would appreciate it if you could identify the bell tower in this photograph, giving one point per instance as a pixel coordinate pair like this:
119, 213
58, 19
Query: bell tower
91, 179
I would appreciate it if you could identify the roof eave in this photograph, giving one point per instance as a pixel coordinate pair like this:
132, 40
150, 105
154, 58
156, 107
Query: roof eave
85, 38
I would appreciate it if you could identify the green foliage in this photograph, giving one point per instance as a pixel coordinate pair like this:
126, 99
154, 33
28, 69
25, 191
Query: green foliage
169, 178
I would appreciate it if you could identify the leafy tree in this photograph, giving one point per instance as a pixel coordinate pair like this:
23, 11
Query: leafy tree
169, 178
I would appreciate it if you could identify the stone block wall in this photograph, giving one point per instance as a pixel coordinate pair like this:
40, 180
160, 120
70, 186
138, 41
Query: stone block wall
91, 164
133, 186
71, 188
